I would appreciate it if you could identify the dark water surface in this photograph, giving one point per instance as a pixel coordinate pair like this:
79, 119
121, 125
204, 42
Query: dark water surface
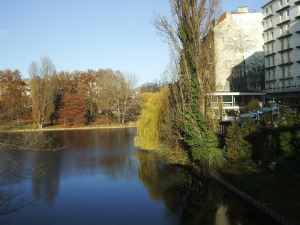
100, 178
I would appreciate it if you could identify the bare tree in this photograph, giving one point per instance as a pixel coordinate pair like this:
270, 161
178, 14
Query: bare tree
117, 94
42, 89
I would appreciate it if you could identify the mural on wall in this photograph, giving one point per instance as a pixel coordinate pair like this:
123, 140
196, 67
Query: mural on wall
239, 54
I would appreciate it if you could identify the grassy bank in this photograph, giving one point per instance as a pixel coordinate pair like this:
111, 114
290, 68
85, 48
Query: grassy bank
278, 189
27, 126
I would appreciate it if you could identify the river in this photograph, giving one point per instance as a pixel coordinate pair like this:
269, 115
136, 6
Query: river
100, 178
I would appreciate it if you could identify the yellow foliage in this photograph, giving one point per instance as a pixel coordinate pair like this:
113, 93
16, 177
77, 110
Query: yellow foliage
149, 123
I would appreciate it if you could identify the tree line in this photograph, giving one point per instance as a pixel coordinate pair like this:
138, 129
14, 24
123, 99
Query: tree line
69, 98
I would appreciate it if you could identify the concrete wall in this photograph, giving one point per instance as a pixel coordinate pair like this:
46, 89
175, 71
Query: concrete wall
239, 52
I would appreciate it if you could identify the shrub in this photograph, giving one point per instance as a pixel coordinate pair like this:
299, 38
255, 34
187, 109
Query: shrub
237, 148
286, 147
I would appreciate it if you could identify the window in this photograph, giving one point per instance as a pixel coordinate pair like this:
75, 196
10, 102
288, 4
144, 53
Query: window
289, 57
281, 16
273, 72
287, 13
289, 71
280, 3
283, 72
282, 58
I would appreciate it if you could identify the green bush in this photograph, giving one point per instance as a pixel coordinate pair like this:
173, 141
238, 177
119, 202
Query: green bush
297, 142
286, 146
237, 148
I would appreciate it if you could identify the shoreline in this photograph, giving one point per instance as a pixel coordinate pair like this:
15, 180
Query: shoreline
70, 128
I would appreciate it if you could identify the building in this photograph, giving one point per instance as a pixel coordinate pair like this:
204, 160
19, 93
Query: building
281, 22
239, 55
239, 59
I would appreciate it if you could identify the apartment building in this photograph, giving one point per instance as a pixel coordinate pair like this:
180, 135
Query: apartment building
281, 23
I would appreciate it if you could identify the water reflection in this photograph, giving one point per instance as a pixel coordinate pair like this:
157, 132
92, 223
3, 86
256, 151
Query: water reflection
99, 178
191, 201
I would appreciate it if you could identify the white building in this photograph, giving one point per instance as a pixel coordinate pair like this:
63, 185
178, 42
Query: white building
239, 51
239, 59
281, 24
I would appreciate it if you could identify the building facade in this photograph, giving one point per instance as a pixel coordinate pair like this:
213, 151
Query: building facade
281, 34
239, 56
239, 60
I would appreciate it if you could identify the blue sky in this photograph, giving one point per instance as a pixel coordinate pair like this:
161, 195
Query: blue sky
82, 34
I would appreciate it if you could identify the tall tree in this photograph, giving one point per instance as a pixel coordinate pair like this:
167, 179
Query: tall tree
42, 89
191, 35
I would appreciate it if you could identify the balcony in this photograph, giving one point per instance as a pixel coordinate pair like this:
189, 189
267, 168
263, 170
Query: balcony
270, 54
286, 64
286, 21
271, 81
268, 29
286, 78
285, 35
297, 2
270, 41
285, 50
270, 67
268, 16
283, 8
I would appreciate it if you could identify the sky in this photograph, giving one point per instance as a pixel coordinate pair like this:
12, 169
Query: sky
89, 34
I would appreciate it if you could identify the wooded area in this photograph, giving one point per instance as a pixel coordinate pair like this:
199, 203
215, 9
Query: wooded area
51, 97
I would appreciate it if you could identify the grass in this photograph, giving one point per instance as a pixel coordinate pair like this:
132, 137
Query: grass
29, 125
278, 189
13, 125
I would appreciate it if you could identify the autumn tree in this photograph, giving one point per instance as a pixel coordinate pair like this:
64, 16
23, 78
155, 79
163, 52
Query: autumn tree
42, 89
73, 109
86, 86
14, 98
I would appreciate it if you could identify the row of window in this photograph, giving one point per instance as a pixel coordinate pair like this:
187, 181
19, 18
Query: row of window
280, 85
286, 72
283, 30
283, 16
269, 9
285, 58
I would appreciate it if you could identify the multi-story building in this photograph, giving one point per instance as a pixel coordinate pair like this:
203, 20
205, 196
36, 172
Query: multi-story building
239, 58
281, 22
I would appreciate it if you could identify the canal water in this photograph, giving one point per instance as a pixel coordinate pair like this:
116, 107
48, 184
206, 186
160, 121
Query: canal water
100, 178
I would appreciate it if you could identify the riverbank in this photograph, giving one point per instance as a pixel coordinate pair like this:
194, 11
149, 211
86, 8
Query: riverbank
277, 189
30, 127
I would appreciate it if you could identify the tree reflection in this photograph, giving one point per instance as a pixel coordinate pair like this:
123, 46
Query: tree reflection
193, 201
46, 172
